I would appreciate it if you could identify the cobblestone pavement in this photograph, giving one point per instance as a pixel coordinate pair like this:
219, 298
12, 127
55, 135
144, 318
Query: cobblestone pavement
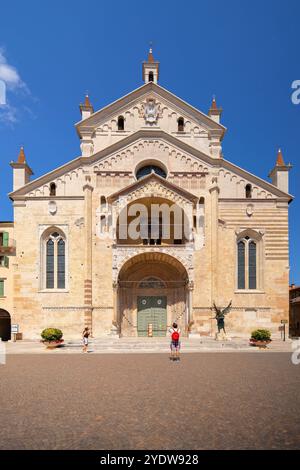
144, 401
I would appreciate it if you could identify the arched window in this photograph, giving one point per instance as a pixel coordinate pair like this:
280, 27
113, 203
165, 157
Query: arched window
55, 261
248, 191
151, 77
52, 189
247, 263
147, 169
180, 123
120, 123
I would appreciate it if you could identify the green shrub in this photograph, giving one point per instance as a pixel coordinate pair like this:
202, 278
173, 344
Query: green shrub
51, 334
261, 335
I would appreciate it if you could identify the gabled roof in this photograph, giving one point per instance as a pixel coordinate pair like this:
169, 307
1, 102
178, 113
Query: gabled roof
136, 95
148, 134
147, 179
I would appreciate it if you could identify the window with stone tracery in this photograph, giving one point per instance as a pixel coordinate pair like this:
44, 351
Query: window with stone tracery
249, 261
54, 261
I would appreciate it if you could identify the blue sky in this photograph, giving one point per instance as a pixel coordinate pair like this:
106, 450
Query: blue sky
244, 52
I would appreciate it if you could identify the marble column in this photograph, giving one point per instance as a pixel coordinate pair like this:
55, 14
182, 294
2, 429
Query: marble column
115, 328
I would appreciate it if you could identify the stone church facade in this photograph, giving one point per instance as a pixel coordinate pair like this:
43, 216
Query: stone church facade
66, 264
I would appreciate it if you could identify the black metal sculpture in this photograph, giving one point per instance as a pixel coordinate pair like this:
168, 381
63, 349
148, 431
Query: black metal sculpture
220, 316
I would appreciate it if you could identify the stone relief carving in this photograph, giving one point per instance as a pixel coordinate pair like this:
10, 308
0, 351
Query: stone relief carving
155, 189
183, 254
52, 207
250, 210
150, 111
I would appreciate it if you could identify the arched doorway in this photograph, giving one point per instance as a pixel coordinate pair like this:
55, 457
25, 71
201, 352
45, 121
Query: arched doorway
5, 325
152, 289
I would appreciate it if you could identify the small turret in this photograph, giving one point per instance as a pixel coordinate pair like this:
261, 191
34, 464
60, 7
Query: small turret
280, 173
86, 108
21, 171
215, 112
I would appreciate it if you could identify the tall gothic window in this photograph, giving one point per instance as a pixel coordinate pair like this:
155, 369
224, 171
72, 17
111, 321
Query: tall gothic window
247, 263
55, 261
151, 77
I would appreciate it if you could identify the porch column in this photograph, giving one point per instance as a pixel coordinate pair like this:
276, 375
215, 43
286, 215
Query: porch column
88, 294
190, 299
189, 303
214, 193
115, 328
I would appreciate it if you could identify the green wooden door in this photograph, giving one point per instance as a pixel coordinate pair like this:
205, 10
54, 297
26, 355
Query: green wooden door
152, 310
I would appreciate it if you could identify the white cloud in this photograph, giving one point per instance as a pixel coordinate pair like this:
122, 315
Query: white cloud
9, 74
13, 84
8, 114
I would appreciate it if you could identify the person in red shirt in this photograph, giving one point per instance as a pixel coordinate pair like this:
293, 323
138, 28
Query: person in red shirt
175, 342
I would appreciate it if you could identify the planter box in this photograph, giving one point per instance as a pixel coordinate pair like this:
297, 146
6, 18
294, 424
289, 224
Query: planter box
53, 344
259, 343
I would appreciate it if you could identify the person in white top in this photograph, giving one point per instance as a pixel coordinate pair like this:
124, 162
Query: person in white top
175, 342
85, 339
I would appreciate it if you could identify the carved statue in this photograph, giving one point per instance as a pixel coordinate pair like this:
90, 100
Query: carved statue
220, 316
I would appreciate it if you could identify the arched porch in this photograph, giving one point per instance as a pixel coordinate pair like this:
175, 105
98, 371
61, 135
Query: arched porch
152, 288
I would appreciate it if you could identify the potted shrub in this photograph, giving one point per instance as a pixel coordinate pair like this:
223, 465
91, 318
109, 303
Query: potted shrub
52, 337
260, 338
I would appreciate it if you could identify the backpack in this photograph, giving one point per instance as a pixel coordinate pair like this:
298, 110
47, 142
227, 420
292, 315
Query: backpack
175, 336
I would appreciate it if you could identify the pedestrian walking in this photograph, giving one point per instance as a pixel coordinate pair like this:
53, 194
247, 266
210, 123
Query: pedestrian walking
175, 342
85, 339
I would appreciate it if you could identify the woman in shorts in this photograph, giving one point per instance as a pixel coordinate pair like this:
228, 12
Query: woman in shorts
85, 339
175, 342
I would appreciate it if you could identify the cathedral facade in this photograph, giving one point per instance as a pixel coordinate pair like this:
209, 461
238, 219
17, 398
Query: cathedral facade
149, 225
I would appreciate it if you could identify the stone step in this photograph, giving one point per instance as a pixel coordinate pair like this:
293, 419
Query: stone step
150, 344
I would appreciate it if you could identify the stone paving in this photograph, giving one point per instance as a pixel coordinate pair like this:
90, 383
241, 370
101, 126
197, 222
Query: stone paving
145, 401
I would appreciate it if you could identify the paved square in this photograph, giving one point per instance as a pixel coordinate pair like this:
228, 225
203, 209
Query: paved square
143, 401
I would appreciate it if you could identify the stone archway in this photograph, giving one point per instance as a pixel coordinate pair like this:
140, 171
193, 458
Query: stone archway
158, 282
5, 325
